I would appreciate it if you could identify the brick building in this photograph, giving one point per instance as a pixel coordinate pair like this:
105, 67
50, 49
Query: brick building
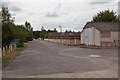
67, 35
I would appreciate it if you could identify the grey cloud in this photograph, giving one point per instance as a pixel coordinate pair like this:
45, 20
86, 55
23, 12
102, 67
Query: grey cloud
66, 13
15, 8
5, 4
11, 6
52, 14
65, 25
99, 2
59, 5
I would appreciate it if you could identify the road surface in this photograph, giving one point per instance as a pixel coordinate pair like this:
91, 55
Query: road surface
42, 59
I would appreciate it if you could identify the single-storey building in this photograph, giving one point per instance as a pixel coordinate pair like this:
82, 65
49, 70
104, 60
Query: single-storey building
100, 34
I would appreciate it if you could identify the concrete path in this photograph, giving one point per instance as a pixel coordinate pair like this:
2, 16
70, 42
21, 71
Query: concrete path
43, 59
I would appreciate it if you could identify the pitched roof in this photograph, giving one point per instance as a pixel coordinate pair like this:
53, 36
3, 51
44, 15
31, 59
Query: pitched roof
104, 26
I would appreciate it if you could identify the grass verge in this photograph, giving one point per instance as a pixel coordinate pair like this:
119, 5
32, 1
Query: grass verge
9, 56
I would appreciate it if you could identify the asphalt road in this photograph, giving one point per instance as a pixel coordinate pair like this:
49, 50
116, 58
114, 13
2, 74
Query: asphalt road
43, 59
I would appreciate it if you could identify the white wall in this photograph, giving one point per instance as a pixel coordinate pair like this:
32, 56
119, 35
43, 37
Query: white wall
82, 37
97, 37
90, 36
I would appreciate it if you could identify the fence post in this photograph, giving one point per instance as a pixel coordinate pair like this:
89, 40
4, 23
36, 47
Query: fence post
9, 49
75, 41
3, 51
69, 41
6, 47
65, 41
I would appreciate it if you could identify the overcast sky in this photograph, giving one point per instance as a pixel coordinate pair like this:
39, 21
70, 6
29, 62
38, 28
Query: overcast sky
70, 14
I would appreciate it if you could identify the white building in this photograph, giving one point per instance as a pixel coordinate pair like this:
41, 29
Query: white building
100, 34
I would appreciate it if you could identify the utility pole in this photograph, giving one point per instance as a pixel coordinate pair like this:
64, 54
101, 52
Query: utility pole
1, 18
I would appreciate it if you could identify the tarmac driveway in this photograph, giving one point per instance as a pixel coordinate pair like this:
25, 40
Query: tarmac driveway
43, 59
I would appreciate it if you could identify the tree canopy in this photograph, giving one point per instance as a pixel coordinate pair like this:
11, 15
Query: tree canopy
106, 16
11, 31
43, 33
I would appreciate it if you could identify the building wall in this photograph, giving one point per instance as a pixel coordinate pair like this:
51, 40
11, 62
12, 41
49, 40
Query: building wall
72, 35
82, 37
114, 36
112, 40
97, 38
90, 36
85, 36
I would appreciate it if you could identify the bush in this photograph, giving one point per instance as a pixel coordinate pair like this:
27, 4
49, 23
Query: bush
20, 45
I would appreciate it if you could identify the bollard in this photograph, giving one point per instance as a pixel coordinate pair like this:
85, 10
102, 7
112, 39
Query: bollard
69, 41
75, 42
3, 51
6, 47
9, 49
62, 41
59, 40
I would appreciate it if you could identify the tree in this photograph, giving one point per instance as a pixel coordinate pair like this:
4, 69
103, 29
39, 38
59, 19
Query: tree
69, 31
54, 30
49, 30
42, 28
7, 26
30, 31
10, 31
28, 26
43, 33
106, 16
36, 34
66, 31
6, 16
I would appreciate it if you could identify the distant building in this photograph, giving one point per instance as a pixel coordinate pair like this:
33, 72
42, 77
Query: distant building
67, 35
100, 34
